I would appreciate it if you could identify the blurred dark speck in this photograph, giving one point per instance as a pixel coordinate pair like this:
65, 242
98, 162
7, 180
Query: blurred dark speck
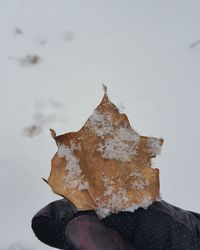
56, 104
18, 31
195, 44
69, 36
43, 42
32, 131
29, 60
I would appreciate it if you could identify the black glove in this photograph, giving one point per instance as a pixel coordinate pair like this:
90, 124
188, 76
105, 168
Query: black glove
50, 222
159, 227
60, 225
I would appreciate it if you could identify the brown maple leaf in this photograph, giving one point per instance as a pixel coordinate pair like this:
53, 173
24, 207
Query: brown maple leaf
106, 165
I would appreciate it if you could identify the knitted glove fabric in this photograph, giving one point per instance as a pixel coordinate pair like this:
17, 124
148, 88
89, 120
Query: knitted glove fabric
161, 226
50, 222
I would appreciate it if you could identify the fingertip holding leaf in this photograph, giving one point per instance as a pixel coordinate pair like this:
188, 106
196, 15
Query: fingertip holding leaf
106, 165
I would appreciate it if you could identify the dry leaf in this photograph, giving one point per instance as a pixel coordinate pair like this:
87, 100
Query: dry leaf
106, 165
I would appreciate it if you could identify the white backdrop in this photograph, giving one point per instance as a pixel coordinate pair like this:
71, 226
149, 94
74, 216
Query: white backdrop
144, 51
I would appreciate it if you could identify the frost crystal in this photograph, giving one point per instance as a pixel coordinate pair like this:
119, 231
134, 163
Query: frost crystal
108, 185
136, 173
117, 198
132, 208
121, 146
121, 108
100, 123
145, 203
123, 141
154, 146
73, 176
140, 184
102, 212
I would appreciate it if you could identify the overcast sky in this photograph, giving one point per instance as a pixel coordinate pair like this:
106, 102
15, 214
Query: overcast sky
54, 56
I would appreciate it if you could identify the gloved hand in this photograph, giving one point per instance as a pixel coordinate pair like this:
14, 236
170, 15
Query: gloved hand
159, 227
50, 222
60, 225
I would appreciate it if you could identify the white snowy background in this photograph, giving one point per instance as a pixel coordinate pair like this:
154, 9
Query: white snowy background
54, 56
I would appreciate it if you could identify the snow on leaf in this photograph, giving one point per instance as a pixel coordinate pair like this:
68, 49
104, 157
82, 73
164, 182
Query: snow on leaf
100, 123
135, 173
73, 176
102, 212
140, 184
121, 146
145, 202
154, 146
115, 201
121, 108
108, 185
